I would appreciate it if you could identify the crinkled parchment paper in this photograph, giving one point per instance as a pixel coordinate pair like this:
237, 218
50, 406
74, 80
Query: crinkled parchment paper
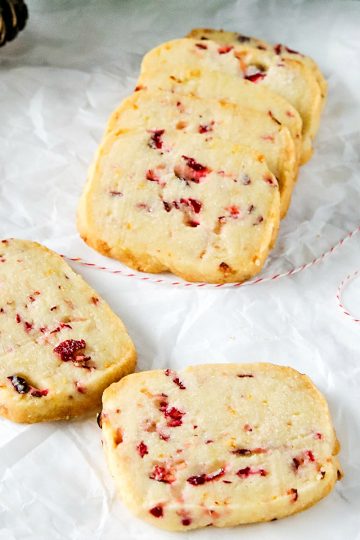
59, 81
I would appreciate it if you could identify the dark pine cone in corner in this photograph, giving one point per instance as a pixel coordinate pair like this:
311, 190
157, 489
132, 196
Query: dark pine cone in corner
13, 16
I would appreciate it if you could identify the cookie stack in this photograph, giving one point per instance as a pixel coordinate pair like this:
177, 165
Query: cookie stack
197, 167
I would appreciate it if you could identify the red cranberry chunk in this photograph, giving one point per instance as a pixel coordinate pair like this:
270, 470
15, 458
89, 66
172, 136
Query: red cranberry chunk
186, 522
198, 480
67, 349
161, 474
193, 204
155, 140
150, 175
200, 46
34, 392
176, 379
157, 511
224, 49
201, 479
142, 449
174, 417
255, 77
248, 471
192, 171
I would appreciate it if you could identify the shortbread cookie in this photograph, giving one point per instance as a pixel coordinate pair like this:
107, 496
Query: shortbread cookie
165, 200
214, 118
219, 444
61, 345
227, 88
231, 38
285, 76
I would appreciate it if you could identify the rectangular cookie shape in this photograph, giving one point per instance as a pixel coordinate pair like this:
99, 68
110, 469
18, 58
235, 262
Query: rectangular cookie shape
61, 345
230, 38
219, 444
214, 118
284, 76
162, 200
204, 83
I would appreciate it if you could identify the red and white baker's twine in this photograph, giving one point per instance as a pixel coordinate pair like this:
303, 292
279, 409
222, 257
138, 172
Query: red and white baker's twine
340, 291
291, 272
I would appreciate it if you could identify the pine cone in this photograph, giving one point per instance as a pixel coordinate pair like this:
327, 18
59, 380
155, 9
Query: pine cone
13, 16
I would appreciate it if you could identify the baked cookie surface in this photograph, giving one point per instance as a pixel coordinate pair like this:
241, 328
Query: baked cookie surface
214, 118
217, 85
61, 344
222, 36
218, 444
284, 76
165, 200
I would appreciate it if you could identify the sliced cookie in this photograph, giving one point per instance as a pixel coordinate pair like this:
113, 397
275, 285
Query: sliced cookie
164, 200
214, 118
284, 76
219, 444
61, 345
227, 88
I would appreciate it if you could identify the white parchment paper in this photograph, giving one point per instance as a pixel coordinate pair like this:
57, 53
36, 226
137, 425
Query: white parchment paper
59, 81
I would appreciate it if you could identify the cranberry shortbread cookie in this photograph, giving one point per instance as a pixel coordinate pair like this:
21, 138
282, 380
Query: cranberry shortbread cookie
288, 78
61, 345
207, 210
227, 88
231, 38
219, 444
214, 118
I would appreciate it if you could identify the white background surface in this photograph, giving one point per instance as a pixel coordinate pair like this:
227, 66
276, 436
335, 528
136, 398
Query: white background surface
59, 81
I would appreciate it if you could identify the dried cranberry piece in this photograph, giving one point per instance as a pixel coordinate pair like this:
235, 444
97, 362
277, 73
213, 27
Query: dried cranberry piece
150, 175
248, 471
142, 449
34, 392
194, 165
200, 46
194, 204
186, 522
224, 49
116, 193
157, 511
23, 387
155, 140
199, 480
162, 474
176, 380
175, 417
20, 384
67, 349
255, 77
167, 206
205, 128
277, 48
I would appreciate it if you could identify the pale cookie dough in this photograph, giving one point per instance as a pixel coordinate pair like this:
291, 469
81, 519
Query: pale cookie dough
214, 118
284, 76
164, 200
60, 343
219, 444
